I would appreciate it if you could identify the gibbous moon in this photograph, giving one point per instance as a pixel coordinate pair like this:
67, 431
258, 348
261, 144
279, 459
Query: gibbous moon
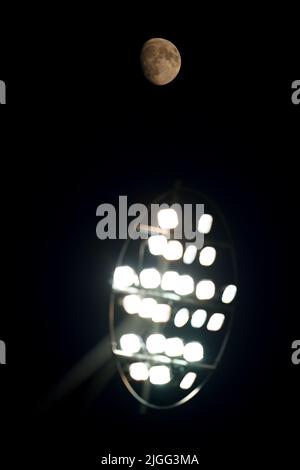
160, 61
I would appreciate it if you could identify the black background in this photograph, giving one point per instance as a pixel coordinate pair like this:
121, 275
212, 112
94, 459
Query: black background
82, 127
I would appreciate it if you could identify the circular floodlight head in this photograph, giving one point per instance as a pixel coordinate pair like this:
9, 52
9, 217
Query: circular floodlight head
215, 322
155, 343
184, 285
198, 318
229, 294
174, 347
193, 352
138, 371
124, 276
167, 218
169, 280
147, 307
159, 375
173, 250
130, 343
205, 223
132, 303
181, 318
207, 256
189, 254
150, 278
157, 244
188, 380
161, 313
205, 290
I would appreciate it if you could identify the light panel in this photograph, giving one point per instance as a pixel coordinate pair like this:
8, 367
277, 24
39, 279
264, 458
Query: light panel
207, 256
130, 343
189, 254
157, 244
167, 218
229, 294
184, 285
155, 343
124, 276
159, 375
174, 347
193, 352
181, 317
132, 303
188, 380
161, 313
150, 278
198, 318
169, 279
205, 223
173, 250
138, 371
215, 322
205, 290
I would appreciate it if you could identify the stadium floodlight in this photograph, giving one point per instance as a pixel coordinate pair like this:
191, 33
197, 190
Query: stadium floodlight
159, 375
190, 254
184, 285
198, 318
157, 244
169, 280
205, 223
181, 318
188, 380
166, 335
193, 351
173, 250
207, 256
229, 294
216, 321
138, 371
205, 290
167, 218
150, 278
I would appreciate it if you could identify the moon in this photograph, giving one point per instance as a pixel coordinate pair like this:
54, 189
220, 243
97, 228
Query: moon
160, 61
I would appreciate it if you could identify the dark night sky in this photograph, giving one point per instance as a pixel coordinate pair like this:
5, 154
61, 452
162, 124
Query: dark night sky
226, 127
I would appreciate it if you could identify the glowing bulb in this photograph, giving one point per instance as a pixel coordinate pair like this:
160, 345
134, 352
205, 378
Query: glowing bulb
184, 285
124, 276
159, 375
130, 343
207, 256
156, 343
173, 250
138, 371
229, 294
174, 347
181, 317
157, 244
188, 380
193, 352
167, 218
150, 278
205, 223
205, 290
147, 307
189, 254
132, 303
215, 322
198, 318
169, 280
